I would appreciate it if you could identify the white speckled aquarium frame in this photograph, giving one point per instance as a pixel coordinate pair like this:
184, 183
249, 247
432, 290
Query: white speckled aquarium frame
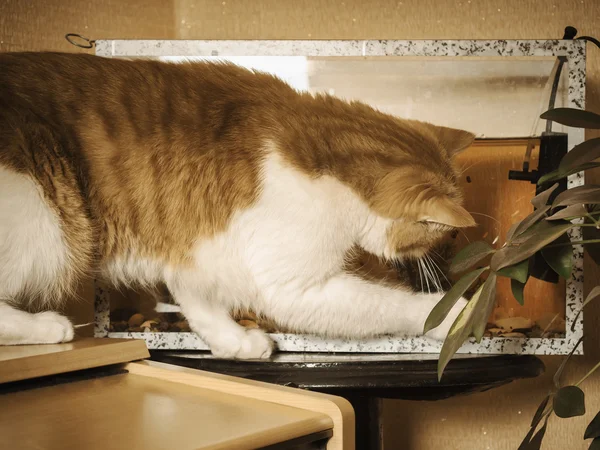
574, 51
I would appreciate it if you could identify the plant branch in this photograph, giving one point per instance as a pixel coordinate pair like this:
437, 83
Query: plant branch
593, 219
589, 241
588, 374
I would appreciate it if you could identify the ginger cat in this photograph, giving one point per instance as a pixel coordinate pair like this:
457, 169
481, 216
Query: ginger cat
227, 185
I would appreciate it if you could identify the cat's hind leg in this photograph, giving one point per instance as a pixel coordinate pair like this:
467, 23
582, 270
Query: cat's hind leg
20, 327
35, 263
211, 320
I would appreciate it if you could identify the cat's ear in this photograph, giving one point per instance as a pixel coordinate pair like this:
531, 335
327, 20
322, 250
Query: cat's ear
446, 211
453, 140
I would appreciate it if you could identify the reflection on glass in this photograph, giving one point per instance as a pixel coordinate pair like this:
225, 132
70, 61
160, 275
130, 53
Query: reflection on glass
492, 97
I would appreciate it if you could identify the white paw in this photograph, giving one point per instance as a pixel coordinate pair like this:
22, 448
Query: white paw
52, 328
255, 345
247, 344
442, 330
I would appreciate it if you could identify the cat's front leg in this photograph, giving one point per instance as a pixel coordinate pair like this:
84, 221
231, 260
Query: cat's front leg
350, 307
212, 322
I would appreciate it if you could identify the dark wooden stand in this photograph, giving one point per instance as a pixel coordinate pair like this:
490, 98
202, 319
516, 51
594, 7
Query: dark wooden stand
366, 379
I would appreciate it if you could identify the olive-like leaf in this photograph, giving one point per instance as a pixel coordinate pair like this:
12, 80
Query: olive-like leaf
485, 306
557, 175
443, 307
569, 401
550, 176
586, 152
531, 220
591, 233
540, 269
511, 231
541, 200
531, 442
536, 442
595, 445
559, 371
518, 290
458, 334
534, 230
519, 272
569, 213
537, 417
593, 295
589, 194
469, 256
560, 258
527, 439
525, 245
593, 429
571, 117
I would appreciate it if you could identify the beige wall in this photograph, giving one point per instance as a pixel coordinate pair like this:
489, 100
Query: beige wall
492, 420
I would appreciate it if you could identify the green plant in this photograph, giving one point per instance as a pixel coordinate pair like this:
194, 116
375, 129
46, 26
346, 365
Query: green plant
542, 234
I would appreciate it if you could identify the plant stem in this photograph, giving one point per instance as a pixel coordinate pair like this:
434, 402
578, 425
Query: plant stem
596, 223
588, 374
547, 413
589, 241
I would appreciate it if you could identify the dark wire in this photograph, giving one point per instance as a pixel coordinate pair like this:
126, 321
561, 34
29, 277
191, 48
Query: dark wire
593, 40
570, 33
555, 83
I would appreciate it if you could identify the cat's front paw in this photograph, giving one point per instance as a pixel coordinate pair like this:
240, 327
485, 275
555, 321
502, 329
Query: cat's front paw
52, 328
256, 345
249, 344
441, 331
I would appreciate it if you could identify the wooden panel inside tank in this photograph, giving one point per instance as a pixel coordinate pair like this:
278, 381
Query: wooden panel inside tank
496, 203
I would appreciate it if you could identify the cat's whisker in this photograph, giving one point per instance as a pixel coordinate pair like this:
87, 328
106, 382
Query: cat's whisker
426, 274
442, 259
434, 278
435, 274
431, 275
465, 235
485, 215
440, 271
432, 266
489, 217
426, 271
420, 275
464, 169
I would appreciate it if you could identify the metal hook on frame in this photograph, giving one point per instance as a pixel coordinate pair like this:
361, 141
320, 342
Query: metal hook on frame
79, 41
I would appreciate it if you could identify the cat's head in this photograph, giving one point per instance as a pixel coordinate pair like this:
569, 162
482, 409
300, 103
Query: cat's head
416, 200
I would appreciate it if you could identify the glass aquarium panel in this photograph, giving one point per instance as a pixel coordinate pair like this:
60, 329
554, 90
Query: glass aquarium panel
490, 96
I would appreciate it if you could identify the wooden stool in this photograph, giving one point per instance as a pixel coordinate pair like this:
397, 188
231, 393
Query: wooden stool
366, 379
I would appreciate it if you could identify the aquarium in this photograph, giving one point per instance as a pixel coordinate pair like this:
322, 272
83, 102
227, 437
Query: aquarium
495, 89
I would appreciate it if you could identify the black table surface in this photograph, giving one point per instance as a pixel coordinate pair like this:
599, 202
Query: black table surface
406, 376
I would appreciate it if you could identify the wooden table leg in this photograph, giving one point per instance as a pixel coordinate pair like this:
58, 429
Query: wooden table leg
368, 415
